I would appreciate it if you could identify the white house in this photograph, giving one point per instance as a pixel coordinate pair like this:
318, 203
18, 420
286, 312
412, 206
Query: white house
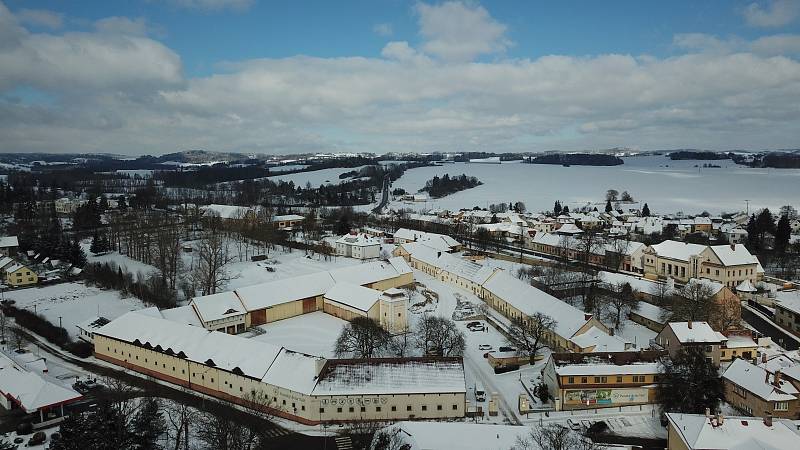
358, 246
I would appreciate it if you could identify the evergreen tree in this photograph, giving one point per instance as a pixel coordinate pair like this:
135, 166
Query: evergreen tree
121, 204
76, 255
782, 234
147, 426
765, 223
565, 210
557, 208
752, 234
609, 208
105, 245
646, 211
689, 383
95, 247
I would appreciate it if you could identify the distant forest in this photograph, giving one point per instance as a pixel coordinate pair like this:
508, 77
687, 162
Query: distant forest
778, 160
576, 159
697, 155
440, 187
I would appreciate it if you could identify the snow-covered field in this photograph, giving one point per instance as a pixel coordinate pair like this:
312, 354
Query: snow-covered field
316, 178
538, 186
127, 264
74, 303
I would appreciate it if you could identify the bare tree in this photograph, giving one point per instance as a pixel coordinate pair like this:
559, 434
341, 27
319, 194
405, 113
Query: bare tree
389, 439
661, 294
179, 417
694, 301
362, 338
616, 251
3, 326
210, 273
620, 299
18, 337
438, 336
554, 437
528, 333
217, 430
612, 195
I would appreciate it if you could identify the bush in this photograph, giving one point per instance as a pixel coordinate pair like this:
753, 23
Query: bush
53, 334
543, 393
151, 289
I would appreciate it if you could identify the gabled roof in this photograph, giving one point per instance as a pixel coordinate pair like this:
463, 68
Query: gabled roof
218, 306
358, 240
680, 251
9, 241
759, 382
734, 254
273, 293
353, 295
414, 235
30, 389
734, 433
375, 377
700, 332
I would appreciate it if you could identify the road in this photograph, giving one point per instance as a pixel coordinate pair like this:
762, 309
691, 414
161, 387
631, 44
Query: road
385, 197
767, 328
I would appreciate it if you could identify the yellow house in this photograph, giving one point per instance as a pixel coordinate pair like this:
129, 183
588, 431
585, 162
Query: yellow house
17, 275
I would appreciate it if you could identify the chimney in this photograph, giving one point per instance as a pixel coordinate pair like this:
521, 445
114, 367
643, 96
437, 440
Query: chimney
768, 419
777, 378
763, 358
766, 377
689, 324
733, 247
587, 316
611, 332
720, 418
708, 413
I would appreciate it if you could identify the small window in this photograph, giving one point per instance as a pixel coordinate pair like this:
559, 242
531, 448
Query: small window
240, 389
363, 409
584, 380
619, 379
596, 379
424, 407
338, 410
408, 408
438, 407
394, 408
455, 407
351, 409
212, 379
377, 409
571, 380
321, 410
303, 407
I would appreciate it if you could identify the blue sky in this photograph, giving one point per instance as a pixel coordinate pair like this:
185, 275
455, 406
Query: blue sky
464, 71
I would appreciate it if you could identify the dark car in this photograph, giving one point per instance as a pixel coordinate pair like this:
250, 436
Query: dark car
38, 438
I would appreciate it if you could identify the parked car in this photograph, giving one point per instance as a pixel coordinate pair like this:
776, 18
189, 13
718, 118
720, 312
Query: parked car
484, 347
507, 349
473, 323
38, 438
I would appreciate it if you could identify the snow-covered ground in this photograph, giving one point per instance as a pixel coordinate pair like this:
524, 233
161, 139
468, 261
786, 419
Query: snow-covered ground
314, 334
74, 303
644, 177
126, 263
316, 177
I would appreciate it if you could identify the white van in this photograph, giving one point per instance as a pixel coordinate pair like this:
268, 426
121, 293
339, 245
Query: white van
480, 393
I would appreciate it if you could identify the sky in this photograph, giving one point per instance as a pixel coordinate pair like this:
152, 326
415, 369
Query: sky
159, 76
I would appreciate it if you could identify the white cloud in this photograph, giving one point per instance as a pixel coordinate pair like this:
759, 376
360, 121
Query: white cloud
457, 32
214, 5
41, 18
383, 29
125, 92
772, 13
124, 25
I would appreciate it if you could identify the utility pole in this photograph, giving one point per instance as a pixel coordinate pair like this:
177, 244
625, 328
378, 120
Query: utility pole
59, 322
747, 201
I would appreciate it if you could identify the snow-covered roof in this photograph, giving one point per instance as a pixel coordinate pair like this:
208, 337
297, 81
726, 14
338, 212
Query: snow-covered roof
4, 261
759, 382
371, 272
218, 306
226, 211
637, 283
745, 286
277, 292
608, 369
294, 371
358, 240
530, 300
470, 436
600, 341
287, 217
8, 241
650, 312
778, 362
353, 295
373, 377
30, 389
736, 341
92, 323
182, 314
713, 286
700, 332
228, 352
789, 300
734, 433
734, 254
414, 235
569, 228
680, 251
